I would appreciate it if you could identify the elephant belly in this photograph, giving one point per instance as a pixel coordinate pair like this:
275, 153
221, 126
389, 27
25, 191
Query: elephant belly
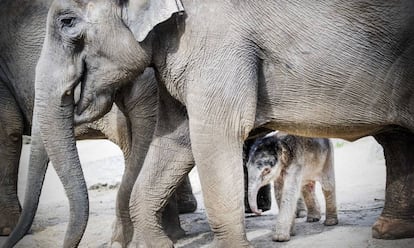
330, 103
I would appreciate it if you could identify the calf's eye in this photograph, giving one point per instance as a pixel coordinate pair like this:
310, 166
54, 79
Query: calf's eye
266, 171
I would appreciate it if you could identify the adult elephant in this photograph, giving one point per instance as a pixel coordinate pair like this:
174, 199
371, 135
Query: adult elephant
327, 68
130, 125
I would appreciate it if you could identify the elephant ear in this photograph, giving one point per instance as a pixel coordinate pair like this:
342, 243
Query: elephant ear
144, 15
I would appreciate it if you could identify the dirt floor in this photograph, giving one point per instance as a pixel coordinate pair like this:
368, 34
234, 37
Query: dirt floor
360, 178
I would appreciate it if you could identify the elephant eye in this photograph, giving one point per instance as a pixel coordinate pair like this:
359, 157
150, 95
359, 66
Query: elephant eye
70, 28
266, 171
67, 22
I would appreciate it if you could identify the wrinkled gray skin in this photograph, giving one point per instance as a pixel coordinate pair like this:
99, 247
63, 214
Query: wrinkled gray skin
293, 163
319, 69
20, 46
22, 26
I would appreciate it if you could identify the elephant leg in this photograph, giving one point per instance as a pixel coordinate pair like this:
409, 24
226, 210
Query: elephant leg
133, 132
221, 177
278, 188
290, 194
165, 167
301, 210
171, 221
219, 124
123, 229
11, 131
142, 130
168, 161
186, 202
397, 218
329, 192
311, 201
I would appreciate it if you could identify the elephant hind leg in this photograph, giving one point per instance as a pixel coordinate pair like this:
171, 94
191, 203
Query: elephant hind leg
11, 131
186, 201
397, 218
311, 201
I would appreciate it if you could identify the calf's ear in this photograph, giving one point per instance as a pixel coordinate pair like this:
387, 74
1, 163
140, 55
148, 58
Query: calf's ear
141, 16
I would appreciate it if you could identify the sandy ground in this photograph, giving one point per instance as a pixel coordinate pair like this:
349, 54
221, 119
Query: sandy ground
360, 178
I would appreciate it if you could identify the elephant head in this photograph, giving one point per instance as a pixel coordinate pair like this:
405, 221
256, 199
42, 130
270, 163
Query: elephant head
95, 42
116, 48
267, 157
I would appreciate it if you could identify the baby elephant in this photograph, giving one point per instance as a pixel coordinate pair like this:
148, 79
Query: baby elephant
294, 164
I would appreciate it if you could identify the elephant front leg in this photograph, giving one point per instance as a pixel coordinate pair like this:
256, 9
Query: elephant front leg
397, 218
219, 165
221, 107
290, 194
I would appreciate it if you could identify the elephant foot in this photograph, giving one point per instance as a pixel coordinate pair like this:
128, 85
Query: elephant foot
284, 232
331, 221
397, 218
301, 213
121, 236
186, 203
155, 242
116, 244
174, 232
389, 228
8, 219
313, 217
219, 243
281, 236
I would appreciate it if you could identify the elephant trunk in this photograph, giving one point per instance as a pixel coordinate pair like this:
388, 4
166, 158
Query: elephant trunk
254, 185
35, 177
57, 132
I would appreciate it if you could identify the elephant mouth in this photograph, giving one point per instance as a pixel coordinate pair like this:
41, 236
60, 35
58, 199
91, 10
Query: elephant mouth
91, 104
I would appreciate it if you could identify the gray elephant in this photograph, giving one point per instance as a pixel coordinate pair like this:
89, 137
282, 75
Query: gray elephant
131, 128
16, 94
293, 163
320, 69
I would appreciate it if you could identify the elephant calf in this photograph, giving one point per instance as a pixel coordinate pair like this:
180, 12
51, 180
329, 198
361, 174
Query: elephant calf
293, 162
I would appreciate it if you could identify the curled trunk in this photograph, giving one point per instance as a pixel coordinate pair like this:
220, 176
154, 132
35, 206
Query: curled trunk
253, 189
